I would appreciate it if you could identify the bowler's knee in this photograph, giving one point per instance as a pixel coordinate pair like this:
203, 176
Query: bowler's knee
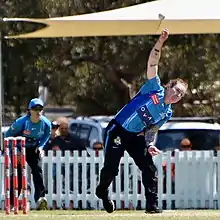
111, 169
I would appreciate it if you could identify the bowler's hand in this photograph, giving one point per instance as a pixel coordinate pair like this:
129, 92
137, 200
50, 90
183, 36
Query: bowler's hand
164, 35
41, 152
153, 151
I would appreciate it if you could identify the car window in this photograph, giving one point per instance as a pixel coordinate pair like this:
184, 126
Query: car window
94, 135
84, 131
73, 128
201, 139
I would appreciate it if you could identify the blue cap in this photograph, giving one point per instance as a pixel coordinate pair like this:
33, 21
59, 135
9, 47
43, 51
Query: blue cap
35, 102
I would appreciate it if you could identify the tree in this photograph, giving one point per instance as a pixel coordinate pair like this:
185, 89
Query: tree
98, 75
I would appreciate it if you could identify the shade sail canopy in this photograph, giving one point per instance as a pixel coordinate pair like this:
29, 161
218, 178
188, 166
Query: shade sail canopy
179, 16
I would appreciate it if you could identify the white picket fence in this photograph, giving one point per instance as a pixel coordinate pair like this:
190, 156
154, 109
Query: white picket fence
71, 181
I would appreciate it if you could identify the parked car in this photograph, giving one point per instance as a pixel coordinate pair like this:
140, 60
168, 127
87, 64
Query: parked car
204, 132
90, 129
4, 129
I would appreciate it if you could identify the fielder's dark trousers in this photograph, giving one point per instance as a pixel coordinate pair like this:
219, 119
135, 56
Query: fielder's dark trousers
34, 161
117, 141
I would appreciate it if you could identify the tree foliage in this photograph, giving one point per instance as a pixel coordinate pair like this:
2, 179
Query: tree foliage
98, 75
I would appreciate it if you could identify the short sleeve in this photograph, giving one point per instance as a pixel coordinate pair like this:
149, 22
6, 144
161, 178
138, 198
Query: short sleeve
151, 85
16, 128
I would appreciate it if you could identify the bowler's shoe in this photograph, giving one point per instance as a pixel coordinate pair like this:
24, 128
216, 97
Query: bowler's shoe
108, 204
153, 209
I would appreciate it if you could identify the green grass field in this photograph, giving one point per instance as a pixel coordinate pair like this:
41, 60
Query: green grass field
117, 215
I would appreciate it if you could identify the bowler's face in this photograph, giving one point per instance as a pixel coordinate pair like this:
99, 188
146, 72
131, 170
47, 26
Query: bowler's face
175, 93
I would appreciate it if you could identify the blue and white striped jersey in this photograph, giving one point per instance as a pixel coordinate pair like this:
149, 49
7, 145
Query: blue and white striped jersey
145, 109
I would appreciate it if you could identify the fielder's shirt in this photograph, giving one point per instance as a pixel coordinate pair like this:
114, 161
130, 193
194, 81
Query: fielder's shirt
36, 134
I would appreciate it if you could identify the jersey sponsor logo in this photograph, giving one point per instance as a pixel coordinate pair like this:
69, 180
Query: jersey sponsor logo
40, 133
155, 99
26, 132
162, 115
145, 115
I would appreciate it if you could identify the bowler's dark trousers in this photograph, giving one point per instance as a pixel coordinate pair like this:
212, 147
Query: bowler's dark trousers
116, 142
33, 159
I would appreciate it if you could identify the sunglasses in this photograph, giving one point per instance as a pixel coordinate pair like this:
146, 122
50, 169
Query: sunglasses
37, 108
55, 126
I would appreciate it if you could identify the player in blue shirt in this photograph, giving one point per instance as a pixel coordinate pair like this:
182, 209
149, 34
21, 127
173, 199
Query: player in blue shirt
36, 129
145, 113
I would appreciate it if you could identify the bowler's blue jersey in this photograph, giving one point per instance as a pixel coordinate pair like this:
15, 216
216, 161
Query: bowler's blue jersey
146, 108
36, 134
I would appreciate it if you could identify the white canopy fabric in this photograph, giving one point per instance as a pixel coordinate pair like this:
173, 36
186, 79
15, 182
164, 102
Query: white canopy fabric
179, 16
